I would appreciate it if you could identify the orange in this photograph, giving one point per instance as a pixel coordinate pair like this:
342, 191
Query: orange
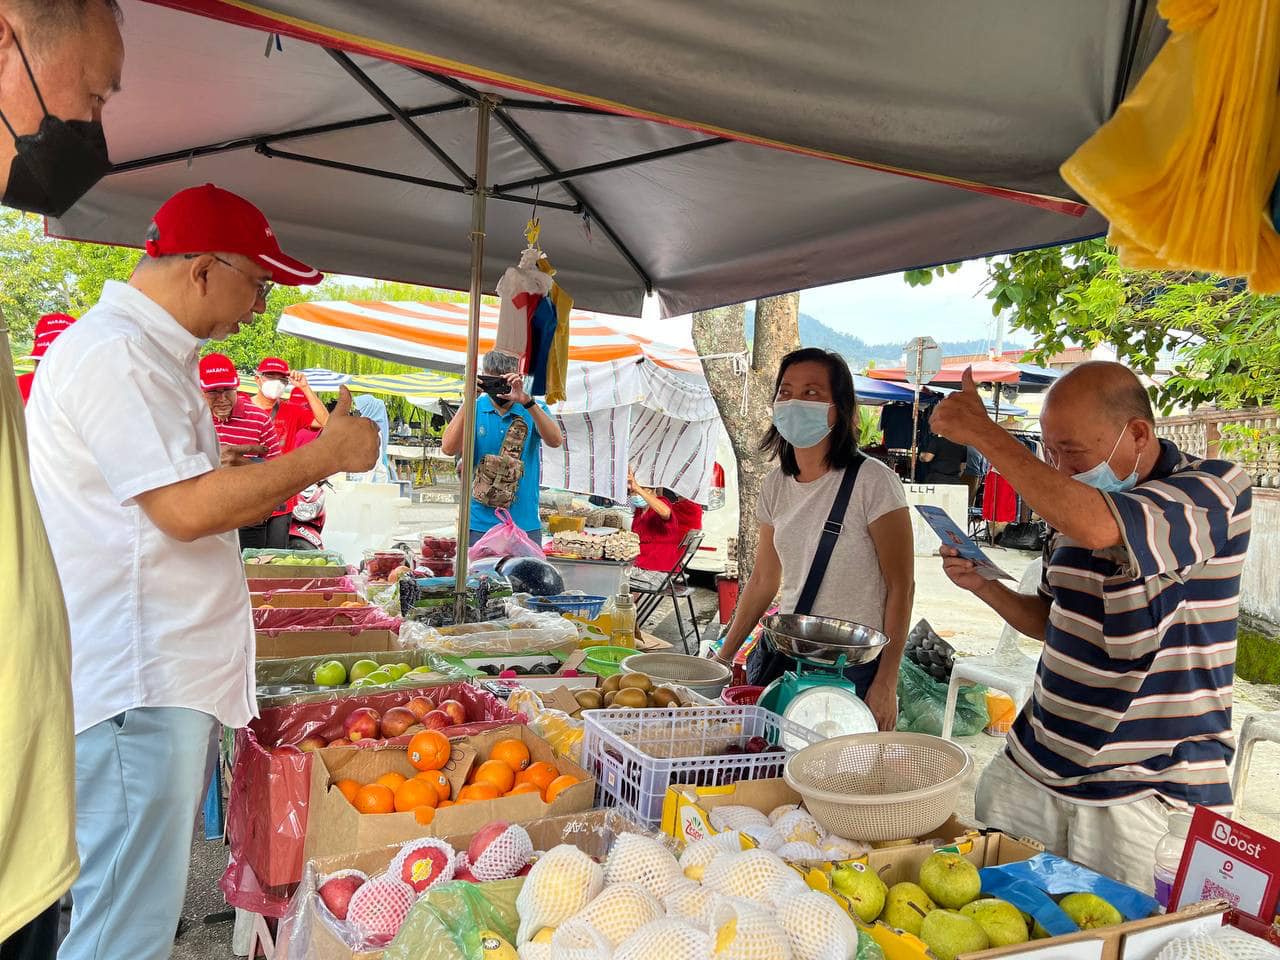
429, 750
479, 791
424, 815
540, 774
391, 781
349, 789
511, 752
375, 798
413, 794
438, 781
496, 774
444, 803
520, 788
558, 786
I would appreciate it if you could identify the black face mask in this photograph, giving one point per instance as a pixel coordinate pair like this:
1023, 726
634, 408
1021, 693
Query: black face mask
56, 165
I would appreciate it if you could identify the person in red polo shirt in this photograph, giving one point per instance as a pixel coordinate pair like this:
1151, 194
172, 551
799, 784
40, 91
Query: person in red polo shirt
245, 432
47, 329
274, 378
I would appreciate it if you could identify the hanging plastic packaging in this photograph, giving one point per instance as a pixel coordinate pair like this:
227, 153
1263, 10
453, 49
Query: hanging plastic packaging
922, 701
504, 540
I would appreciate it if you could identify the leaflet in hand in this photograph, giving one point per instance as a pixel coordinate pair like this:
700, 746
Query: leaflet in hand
953, 536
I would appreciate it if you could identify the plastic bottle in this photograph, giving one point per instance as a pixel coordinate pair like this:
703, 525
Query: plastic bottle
623, 633
1169, 855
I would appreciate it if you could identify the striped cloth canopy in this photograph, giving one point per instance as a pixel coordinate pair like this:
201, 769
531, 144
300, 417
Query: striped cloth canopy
434, 335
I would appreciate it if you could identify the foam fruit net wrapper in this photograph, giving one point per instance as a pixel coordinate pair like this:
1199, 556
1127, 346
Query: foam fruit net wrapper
1224, 944
692, 902
665, 939
744, 931
504, 855
559, 885
817, 928
755, 875
379, 907
642, 860
619, 911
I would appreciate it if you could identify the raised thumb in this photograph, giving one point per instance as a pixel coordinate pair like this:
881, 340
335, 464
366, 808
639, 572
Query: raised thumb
343, 407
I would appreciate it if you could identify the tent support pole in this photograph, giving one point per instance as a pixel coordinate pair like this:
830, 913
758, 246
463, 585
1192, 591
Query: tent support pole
484, 110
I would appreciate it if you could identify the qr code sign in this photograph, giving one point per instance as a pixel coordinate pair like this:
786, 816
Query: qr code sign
1213, 891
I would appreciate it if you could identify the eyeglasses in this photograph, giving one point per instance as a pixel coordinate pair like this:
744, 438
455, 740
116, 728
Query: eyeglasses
264, 286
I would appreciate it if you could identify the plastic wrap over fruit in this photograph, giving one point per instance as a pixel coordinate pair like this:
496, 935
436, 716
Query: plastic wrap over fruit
528, 632
458, 921
554, 726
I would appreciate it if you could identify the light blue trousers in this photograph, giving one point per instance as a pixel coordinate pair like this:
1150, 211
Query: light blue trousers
140, 777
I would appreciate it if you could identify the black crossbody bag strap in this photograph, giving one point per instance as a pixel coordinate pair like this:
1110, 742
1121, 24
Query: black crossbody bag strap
827, 542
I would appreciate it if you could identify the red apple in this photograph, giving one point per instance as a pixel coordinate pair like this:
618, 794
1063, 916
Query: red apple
497, 851
286, 750
437, 720
362, 724
396, 721
465, 874
340, 742
456, 711
312, 743
483, 837
336, 889
524, 871
420, 706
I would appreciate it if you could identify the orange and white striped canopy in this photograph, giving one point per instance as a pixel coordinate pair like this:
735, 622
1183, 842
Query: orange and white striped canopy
434, 335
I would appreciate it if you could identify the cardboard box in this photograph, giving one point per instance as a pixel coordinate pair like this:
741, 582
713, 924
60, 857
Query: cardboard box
292, 571
592, 832
305, 598
335, 827
291, 644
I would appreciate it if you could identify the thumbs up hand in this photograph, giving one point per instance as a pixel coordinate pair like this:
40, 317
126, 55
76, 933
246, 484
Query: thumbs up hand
962, 417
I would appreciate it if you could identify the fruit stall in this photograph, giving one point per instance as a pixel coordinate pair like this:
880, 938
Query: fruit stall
513, 787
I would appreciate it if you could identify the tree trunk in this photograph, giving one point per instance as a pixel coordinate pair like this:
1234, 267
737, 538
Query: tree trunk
776, 334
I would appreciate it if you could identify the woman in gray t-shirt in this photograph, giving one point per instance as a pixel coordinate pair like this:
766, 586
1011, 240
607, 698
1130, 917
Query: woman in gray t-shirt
871, 576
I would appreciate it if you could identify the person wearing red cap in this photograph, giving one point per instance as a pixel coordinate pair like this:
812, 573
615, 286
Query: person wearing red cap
142, 520
47, 329
60, 63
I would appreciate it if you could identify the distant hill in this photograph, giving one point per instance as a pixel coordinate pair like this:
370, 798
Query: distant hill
859, 353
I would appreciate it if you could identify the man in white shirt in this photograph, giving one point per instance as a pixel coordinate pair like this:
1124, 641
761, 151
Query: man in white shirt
142, 521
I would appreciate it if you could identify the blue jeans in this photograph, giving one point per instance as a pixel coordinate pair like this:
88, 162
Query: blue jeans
140, 778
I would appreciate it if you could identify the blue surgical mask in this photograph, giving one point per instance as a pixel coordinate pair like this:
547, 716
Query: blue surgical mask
639, 502
1103, 478
802, 423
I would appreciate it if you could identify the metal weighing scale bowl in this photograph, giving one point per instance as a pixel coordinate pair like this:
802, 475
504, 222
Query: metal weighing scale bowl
822, 641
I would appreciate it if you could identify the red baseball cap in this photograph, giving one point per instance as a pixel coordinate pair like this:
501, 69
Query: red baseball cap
273, 365
217, 372
48, 328
209, 219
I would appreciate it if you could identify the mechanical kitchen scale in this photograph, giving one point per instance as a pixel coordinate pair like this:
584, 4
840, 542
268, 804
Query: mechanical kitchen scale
817, 694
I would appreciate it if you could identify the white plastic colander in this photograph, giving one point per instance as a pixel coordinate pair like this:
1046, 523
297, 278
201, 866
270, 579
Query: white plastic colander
879, 786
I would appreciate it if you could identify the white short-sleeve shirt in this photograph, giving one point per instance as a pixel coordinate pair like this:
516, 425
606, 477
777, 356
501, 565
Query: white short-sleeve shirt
854, 587
117, 411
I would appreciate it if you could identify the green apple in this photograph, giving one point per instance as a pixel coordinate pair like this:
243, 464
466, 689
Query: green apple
362, 668
398, 670
1001, 921
862, 887
905, 907
950, 880
949, 934
331, 673
380, 677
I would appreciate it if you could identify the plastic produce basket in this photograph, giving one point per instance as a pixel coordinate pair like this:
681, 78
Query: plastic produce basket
605, 661
636, 755
743, 696
876, 787
583, 605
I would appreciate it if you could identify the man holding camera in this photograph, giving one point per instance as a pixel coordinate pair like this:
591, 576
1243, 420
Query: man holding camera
503, 415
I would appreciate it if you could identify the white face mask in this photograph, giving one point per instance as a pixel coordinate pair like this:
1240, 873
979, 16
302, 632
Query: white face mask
273, 389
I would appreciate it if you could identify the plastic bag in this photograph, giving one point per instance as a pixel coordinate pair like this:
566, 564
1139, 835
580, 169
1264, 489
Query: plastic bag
923, 700
868, 949
1029, 885
554, 726
308, 558
293, 618
529, 632
452, 920
504, 540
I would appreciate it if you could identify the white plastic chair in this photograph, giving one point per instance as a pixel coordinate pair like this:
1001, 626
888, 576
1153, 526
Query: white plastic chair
1008, 669
1257, 726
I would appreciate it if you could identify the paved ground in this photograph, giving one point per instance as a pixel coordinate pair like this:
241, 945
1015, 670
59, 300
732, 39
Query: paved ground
967, 624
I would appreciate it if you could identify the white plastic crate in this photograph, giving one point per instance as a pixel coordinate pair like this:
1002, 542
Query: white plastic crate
636, 754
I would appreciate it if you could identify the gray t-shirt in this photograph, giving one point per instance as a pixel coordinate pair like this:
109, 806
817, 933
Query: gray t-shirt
853, 588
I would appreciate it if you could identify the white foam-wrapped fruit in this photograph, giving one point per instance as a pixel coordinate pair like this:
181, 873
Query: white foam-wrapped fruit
756, 875
746, 931
562, 882
636, 858
619, 911
817, 927
665, 939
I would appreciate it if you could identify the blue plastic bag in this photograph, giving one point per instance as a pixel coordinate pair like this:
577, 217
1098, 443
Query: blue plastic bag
1030, 885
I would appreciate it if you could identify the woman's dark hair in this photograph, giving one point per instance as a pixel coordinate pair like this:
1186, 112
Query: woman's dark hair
844, 438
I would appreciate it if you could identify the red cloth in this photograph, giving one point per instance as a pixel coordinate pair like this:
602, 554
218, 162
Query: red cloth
999, 499
660, 539
290, 418
248, 424
24, 385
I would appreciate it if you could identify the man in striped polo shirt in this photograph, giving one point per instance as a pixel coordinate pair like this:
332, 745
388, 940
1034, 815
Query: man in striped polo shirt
1130, 716
244, 431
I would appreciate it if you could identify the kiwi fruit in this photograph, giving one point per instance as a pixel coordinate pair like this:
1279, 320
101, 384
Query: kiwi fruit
609, 698
611, 684
631, 697
589, 699
637, 681
663, 697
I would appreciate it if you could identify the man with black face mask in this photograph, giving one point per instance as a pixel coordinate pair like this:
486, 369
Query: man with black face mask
60, 60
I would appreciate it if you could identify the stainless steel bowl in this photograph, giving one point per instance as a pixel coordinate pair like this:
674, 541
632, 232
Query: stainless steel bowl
822, 640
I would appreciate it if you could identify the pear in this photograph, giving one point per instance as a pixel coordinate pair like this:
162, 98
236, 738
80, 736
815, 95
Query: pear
863, 888
950, 880
1001, 921
1090, 911
949, 934
905, 907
